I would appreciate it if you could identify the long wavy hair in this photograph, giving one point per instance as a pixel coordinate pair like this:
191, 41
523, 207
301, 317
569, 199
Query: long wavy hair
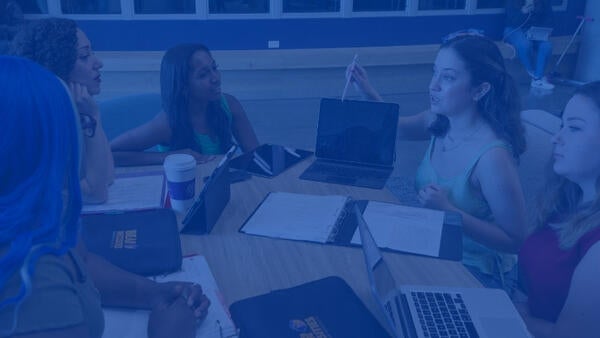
559, 203
50, 42
40, 198
175, 71
500, 107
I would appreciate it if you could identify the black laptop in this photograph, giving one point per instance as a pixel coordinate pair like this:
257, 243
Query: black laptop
356, 143
213, 198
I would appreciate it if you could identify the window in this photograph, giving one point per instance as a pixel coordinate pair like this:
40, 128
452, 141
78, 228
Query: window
378, 5
485, 4
164, 6
308, 6
91, 6
33, 6
441, 4
238, 6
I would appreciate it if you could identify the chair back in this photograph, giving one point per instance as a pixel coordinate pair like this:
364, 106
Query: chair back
535, 162
127, 112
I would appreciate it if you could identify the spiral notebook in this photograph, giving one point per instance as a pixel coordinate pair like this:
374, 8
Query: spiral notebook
324, 219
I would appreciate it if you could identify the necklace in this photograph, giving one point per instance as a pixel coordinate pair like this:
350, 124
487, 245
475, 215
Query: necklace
459, 141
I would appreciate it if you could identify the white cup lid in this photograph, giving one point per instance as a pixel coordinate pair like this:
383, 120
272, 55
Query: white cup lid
179, 162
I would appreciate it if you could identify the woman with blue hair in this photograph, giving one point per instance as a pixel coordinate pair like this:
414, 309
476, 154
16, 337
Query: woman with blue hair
49, 285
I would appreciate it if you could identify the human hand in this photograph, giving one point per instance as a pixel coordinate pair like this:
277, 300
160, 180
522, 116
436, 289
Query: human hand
172, 319
360, 80
191, 293
200, 158
83, 100
433, 196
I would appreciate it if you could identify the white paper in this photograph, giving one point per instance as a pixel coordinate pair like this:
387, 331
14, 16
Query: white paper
296, 216
409, 229
131, 193
133, 323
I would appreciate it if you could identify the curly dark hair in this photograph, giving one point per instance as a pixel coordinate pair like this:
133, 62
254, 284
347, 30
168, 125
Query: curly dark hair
50, 42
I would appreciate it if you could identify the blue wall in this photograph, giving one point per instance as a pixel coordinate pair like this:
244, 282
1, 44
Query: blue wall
301, 33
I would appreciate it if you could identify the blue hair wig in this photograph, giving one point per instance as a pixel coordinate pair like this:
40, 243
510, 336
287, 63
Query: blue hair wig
40, 198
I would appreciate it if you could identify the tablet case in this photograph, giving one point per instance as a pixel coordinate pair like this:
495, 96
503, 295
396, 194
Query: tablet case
143, 242
323, 308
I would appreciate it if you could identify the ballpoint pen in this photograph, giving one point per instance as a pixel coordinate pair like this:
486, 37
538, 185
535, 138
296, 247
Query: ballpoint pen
349, 77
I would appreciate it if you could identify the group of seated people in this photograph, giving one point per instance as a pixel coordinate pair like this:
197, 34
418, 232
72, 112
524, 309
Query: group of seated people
55, 156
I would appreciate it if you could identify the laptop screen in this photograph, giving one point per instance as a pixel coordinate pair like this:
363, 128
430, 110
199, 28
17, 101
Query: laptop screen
357, 131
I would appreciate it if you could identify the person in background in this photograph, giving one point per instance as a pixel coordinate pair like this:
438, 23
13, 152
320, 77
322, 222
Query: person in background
11, 20
559, 263
50, 286
520, 16
476, 138
64, 49
197, 118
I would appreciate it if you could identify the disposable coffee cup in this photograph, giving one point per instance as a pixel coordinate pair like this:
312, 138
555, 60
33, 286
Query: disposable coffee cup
180, 170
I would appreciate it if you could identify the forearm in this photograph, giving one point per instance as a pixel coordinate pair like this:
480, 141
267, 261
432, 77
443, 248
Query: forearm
138, 158
118, 287
98, 167
489, 234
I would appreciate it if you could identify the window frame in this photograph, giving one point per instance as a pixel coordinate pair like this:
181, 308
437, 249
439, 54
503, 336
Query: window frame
275, 12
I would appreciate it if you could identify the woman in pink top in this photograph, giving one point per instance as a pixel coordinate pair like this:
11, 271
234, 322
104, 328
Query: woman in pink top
560, 261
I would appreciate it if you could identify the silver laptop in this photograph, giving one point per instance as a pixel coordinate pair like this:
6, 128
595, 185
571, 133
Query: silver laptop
431, 311
536, 33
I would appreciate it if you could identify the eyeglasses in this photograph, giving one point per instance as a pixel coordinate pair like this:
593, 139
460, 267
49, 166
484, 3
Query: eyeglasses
463, 32
88, 124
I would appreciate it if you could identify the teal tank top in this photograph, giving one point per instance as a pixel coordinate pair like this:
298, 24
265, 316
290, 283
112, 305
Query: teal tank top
463, 196
204, 141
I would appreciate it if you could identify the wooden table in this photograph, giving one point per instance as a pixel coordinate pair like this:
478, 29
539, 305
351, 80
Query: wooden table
246, 265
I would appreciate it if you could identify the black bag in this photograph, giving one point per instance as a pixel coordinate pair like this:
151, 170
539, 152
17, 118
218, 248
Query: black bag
143, 242
324, 308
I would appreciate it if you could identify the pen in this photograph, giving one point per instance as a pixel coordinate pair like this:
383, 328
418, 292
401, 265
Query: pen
349, 76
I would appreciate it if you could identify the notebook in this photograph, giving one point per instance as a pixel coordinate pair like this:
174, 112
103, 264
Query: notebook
324, 219
144, 242
538, 33
208, 207
126, 323
269, 160
323, 308
430, 311
132, 192
356, 143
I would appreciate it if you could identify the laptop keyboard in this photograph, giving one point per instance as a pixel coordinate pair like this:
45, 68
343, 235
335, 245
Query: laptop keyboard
443, 315
347, 171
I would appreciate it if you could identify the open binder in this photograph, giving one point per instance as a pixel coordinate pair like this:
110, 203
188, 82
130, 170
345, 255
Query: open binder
330, 219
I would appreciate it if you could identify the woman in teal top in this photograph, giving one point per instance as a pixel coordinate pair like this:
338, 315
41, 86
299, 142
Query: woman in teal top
197, 118
476, 139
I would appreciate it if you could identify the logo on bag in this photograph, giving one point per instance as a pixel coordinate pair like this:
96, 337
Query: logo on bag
310, 327
124, 239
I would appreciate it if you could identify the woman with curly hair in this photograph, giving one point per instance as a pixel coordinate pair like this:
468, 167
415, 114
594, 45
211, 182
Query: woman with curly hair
64, 49
476, 138
197, 118
559, 263
50, 286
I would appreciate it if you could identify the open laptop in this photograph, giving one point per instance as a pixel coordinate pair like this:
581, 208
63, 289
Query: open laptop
433, 311
356, 143
213, 198
536, 33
